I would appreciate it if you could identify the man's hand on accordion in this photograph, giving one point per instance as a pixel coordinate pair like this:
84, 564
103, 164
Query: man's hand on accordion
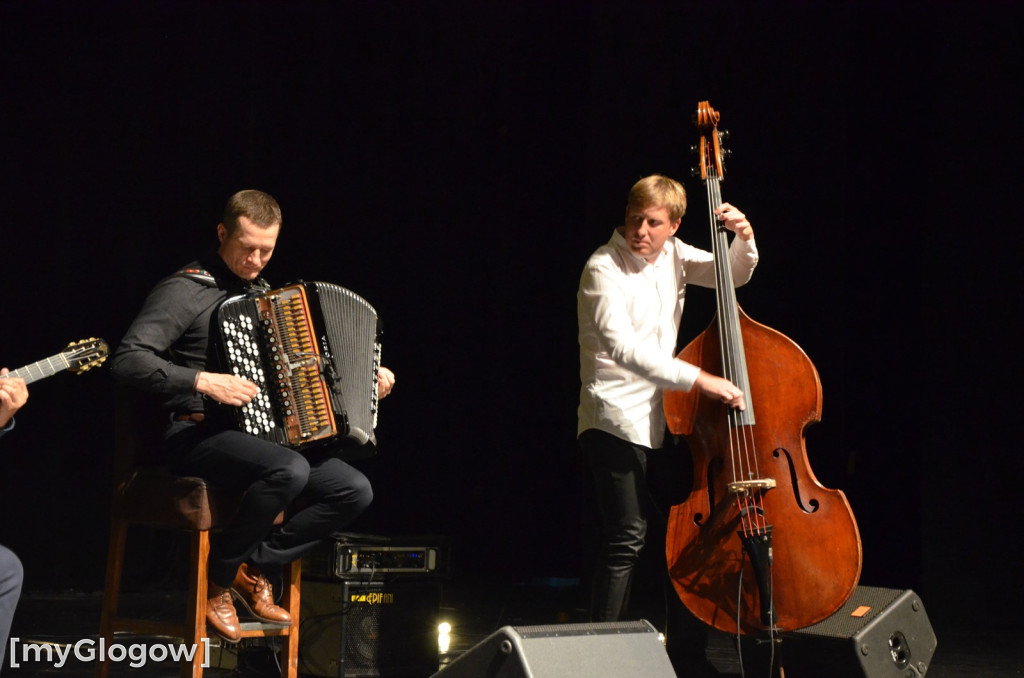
226, 388
385, 381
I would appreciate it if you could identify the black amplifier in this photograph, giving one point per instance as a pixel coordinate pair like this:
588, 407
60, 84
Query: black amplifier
370, 629
359, 556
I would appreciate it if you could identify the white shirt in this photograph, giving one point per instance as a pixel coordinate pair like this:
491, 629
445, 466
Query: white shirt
629, 312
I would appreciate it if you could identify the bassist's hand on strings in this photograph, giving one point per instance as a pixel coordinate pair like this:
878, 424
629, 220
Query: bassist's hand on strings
735, 221
226, 388
720, 389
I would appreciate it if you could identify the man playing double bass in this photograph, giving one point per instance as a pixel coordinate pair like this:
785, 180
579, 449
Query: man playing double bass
629, 306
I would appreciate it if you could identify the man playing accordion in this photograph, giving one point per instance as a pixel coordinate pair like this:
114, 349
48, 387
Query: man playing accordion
167, 352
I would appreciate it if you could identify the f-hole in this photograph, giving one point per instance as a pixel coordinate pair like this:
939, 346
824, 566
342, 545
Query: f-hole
811, 505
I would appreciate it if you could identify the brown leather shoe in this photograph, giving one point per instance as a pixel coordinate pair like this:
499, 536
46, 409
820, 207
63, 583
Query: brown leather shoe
253, 590
221, 614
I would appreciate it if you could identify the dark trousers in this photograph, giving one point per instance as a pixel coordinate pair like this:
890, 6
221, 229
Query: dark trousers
630, 482
330, 494
11, 577
619, 471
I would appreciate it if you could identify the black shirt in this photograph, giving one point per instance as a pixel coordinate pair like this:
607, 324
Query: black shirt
167, 345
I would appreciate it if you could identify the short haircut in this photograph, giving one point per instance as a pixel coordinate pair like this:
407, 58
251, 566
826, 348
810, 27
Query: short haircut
659, 191
257, 206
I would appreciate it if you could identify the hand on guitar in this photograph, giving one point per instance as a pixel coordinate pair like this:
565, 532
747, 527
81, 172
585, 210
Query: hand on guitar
226, 388
720, 389
13, 394
735, 221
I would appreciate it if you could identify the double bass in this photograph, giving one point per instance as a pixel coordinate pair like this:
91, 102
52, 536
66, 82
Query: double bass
759, 544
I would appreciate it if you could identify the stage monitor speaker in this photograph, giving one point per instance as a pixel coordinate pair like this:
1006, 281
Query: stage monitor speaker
599, 650
353, 629
878, 633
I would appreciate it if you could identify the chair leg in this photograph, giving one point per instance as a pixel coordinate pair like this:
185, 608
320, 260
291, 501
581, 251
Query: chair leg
112, 589
195, 622
291, 601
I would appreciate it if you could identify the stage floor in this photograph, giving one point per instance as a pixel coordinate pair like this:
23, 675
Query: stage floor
62, 619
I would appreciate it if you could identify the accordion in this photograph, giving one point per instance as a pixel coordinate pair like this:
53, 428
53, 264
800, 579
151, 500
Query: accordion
313, 349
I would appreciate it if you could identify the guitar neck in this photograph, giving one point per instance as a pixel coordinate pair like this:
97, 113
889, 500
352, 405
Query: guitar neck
41, 369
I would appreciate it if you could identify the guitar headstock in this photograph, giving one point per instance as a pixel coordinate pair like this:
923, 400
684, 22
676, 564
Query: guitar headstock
711, 151
85, 354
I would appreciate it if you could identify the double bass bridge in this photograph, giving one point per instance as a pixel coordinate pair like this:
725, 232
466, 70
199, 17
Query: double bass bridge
747, 487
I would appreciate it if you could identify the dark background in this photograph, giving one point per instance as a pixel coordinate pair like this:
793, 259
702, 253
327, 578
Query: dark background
455, 164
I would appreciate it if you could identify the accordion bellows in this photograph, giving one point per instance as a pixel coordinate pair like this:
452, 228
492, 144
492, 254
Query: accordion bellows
313, 349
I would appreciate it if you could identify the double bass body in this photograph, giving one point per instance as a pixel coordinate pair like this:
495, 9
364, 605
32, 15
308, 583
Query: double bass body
816, 550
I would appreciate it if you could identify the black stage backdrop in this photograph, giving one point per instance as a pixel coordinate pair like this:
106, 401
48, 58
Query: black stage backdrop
456, 163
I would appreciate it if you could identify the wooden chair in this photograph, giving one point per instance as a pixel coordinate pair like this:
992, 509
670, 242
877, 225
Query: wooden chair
150, 495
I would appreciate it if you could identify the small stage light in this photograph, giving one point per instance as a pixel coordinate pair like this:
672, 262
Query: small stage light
444, 630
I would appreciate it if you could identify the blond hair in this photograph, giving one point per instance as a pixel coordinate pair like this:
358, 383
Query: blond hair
658, 191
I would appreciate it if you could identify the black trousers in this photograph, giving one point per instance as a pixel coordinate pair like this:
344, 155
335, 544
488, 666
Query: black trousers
332, 493
619, 471
632, 484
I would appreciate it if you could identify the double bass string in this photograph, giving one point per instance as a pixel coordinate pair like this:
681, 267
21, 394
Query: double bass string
749, 500
714, 201
726, 349
741, 447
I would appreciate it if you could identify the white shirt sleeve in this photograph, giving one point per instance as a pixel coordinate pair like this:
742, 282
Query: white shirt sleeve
601, 298
701, 269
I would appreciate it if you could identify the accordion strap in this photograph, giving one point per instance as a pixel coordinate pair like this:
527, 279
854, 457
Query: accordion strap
200, 275
204, 277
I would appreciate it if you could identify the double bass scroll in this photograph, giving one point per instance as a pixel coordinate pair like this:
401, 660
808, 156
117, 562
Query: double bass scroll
759, 544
